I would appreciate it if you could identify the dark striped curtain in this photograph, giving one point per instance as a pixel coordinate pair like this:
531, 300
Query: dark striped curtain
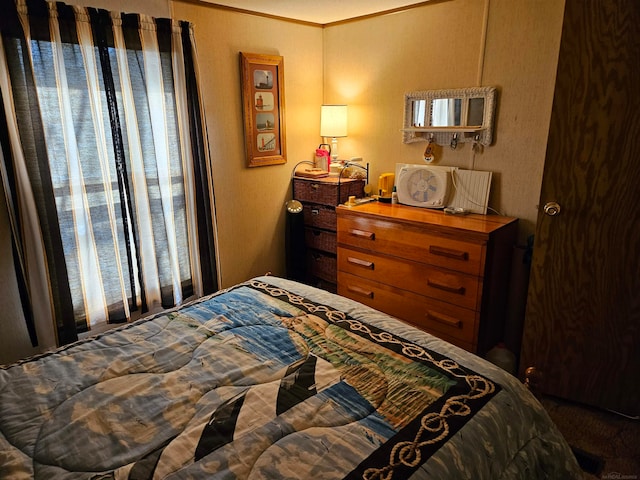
105, 164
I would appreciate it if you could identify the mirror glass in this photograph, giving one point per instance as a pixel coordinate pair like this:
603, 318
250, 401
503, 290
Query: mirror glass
446, 112
476, 112
419, 112
441, 112
432, 114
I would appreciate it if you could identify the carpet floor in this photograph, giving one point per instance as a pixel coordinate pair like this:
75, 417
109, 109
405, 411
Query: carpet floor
607, 445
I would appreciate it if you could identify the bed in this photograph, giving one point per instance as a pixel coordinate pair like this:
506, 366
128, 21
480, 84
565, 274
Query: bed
271, 379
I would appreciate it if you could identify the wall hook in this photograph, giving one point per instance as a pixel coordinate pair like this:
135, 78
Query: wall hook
454, 141
477, 146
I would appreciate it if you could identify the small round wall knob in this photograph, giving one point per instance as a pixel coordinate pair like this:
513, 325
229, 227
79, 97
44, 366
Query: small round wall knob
552, 209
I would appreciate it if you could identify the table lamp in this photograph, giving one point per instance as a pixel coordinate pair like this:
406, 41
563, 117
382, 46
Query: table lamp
333, 124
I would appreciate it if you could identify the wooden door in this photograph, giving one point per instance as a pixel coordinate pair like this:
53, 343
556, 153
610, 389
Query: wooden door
582, 325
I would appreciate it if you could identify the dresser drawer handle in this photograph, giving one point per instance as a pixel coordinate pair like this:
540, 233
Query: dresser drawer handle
362, 234
446, 288
451, 322
447, 252
315, 186
361, 263
360, 291
315, 211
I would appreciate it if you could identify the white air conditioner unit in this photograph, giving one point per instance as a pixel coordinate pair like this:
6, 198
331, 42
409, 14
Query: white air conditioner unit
423, 185
433, 186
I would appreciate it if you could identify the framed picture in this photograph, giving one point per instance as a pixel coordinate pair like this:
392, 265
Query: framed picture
263, 108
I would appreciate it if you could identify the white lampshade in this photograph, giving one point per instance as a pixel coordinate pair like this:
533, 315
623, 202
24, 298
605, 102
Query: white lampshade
333, 121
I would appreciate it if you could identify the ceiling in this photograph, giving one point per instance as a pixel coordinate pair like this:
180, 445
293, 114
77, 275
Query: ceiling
317, 11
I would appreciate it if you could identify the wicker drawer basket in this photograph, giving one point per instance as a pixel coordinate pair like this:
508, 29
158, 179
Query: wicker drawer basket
319, 216
322, 265
320, 240
331, 191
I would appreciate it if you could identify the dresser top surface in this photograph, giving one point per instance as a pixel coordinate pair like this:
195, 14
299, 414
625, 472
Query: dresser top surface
409, 214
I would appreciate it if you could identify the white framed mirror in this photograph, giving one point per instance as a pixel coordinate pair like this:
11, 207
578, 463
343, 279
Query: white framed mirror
448, 117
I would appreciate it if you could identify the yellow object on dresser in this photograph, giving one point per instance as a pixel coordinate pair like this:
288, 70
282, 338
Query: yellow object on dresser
445, 274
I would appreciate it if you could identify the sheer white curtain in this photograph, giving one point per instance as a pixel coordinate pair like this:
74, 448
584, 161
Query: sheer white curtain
108, 162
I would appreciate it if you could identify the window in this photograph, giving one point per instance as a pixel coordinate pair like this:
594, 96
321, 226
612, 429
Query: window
105, 141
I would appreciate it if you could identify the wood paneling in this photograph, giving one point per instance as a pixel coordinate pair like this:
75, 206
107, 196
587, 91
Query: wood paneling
582, 327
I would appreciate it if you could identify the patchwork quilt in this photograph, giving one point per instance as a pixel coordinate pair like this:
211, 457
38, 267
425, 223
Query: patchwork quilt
271, 379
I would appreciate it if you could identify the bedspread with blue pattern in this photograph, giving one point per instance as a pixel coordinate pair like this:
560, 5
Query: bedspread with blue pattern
271, 379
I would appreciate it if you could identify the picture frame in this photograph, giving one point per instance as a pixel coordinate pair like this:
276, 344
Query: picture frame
263, 109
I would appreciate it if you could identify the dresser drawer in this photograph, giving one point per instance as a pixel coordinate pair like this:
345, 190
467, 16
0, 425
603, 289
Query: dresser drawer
319, 216
322, 265
320, 240
446, 285
327, 191
453, 323
411, 243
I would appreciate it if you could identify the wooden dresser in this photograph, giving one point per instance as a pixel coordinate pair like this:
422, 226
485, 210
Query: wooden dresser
446, 274
319, 198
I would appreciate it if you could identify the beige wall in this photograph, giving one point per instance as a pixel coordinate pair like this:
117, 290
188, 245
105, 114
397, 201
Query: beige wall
368, 64
523, 42
250, 201
371, 64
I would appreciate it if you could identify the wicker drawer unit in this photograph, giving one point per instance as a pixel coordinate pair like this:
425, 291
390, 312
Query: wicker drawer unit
446, 274
319, 198
319, 216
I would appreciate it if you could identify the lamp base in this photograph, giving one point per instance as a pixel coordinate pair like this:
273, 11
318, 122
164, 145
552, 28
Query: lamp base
334, 149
